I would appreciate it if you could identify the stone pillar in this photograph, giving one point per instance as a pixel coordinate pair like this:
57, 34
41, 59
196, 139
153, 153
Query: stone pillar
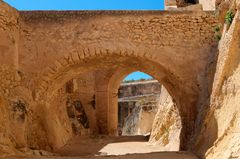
102, 100
101, 111
113, 113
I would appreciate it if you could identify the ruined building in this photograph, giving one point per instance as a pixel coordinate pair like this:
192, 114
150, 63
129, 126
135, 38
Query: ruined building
50, 59
137, 106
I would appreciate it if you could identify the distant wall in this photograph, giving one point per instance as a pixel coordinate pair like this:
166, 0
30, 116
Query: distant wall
132, 89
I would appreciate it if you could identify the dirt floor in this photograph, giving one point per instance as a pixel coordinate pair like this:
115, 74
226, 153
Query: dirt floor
100, 147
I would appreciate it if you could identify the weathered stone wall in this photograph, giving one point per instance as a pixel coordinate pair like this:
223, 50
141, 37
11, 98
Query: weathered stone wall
219, 136
131, 89
72, 110
150, 30
76, 41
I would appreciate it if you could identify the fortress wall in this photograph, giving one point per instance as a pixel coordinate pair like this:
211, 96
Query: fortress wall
49, 36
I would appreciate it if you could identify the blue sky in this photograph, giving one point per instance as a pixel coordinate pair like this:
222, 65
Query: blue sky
87, 4
137, 76
91, 5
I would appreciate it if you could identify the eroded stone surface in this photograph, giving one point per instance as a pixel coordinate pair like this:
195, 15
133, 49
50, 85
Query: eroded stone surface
221, 125
167, 124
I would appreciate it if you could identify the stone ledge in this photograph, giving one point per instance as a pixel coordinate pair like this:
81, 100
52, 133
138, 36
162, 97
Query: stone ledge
31, 15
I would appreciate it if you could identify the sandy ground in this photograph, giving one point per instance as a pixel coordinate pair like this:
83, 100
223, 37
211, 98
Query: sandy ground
100, 147
105, 145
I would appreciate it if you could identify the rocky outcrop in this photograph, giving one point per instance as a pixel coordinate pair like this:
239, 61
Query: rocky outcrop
167, 124
13, 111
219, 137
7, 145
9, 31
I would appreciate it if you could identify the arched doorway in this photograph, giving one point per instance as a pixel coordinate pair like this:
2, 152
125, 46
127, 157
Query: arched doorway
108, 75
83, 99
160, 119
138, 97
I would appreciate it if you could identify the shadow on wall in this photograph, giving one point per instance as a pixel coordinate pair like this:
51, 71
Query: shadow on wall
206, 140
206, 121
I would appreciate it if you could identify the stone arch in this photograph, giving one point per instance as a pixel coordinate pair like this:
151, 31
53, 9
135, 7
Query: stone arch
64, 64
92, 59
114, 84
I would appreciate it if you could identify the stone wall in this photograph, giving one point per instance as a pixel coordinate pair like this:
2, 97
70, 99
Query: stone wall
138, 88
75, 42
72, 110
137, 28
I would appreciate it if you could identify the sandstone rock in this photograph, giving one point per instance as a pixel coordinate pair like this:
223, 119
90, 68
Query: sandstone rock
167, 124
221, 125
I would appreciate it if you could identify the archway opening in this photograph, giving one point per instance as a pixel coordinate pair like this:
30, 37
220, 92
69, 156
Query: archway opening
147, 117
99, 85
138, 96
146, 114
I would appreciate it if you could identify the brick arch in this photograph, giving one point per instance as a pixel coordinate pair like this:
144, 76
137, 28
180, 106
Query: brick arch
114, 84
73, 65
79, 60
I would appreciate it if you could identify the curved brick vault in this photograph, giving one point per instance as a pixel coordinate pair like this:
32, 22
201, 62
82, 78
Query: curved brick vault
176, 48
185, 94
